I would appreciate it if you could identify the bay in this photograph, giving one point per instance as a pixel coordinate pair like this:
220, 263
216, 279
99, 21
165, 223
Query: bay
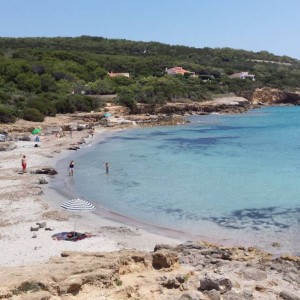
227, 178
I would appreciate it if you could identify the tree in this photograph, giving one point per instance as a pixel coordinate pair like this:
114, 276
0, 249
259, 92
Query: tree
126, 97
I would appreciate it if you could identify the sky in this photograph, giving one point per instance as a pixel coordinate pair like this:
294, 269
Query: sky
255, 25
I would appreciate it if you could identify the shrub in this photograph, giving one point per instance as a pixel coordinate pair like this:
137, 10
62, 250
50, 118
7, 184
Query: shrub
63, 106
33, 114
27, 286
83, 103
4, 98
44, 105
118, 282
6, 115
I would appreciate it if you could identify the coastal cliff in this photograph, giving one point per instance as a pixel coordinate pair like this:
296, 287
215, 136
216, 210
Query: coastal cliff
270, 96
231, 104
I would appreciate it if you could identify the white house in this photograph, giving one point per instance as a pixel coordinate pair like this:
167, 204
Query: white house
243, 75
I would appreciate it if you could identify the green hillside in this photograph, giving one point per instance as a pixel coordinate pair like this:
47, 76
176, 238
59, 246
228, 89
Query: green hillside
45, 76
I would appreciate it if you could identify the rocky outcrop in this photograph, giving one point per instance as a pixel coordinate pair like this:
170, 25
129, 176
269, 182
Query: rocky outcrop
271, 96
164, 259
7, 146
225, 105
287, 295
193, 270
222, 284
46, 171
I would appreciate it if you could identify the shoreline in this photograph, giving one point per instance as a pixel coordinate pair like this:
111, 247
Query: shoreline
224, 239
108, 226
119, 261
32, 203
111, 229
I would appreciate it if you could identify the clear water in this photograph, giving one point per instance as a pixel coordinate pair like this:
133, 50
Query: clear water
230, 178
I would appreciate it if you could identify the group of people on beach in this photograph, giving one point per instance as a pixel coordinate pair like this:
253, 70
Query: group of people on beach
72, 165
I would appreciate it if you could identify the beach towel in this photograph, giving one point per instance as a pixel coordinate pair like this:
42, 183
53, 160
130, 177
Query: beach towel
70, 236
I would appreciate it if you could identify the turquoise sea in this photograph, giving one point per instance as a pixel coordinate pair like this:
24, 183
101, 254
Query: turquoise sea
233, 179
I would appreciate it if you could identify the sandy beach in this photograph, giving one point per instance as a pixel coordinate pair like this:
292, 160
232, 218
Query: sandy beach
118, 261
25, 202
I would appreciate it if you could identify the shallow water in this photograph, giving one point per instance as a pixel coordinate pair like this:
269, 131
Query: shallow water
230, 178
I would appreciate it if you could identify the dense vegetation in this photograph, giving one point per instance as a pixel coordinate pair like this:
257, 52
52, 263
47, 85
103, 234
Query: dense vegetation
44, 76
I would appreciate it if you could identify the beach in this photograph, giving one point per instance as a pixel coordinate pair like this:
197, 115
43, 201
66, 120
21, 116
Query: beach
25, 202
114, 261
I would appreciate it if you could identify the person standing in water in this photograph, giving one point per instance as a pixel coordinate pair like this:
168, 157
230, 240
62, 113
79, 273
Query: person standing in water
106, 167
24, 163
71, 168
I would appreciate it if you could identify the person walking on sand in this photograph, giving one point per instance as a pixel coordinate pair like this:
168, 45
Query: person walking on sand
106, 167
24, 163
71, 168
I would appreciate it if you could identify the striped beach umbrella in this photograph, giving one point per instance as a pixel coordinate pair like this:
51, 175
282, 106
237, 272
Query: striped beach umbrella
78, 205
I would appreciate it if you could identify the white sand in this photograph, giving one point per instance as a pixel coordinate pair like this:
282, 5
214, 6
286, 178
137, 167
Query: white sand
22, 204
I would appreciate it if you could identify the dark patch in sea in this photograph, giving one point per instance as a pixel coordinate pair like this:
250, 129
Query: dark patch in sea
219, 128
177, 213
138, 155
161, 133
257, 219
123, 185
197, 143
127, 138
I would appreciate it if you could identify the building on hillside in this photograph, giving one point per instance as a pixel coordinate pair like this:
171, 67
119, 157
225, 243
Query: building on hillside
243, 75
179, 71
112, 74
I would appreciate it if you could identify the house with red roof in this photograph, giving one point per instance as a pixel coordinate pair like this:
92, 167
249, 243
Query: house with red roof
179, 71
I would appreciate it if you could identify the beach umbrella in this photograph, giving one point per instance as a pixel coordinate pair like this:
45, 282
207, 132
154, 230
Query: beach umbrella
77, 205
107, 115
36, 131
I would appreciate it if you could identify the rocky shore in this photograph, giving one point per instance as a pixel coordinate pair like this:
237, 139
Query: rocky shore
116, 262
189, 271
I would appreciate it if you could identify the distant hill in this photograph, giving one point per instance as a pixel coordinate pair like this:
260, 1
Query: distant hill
100, 45
50, 75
